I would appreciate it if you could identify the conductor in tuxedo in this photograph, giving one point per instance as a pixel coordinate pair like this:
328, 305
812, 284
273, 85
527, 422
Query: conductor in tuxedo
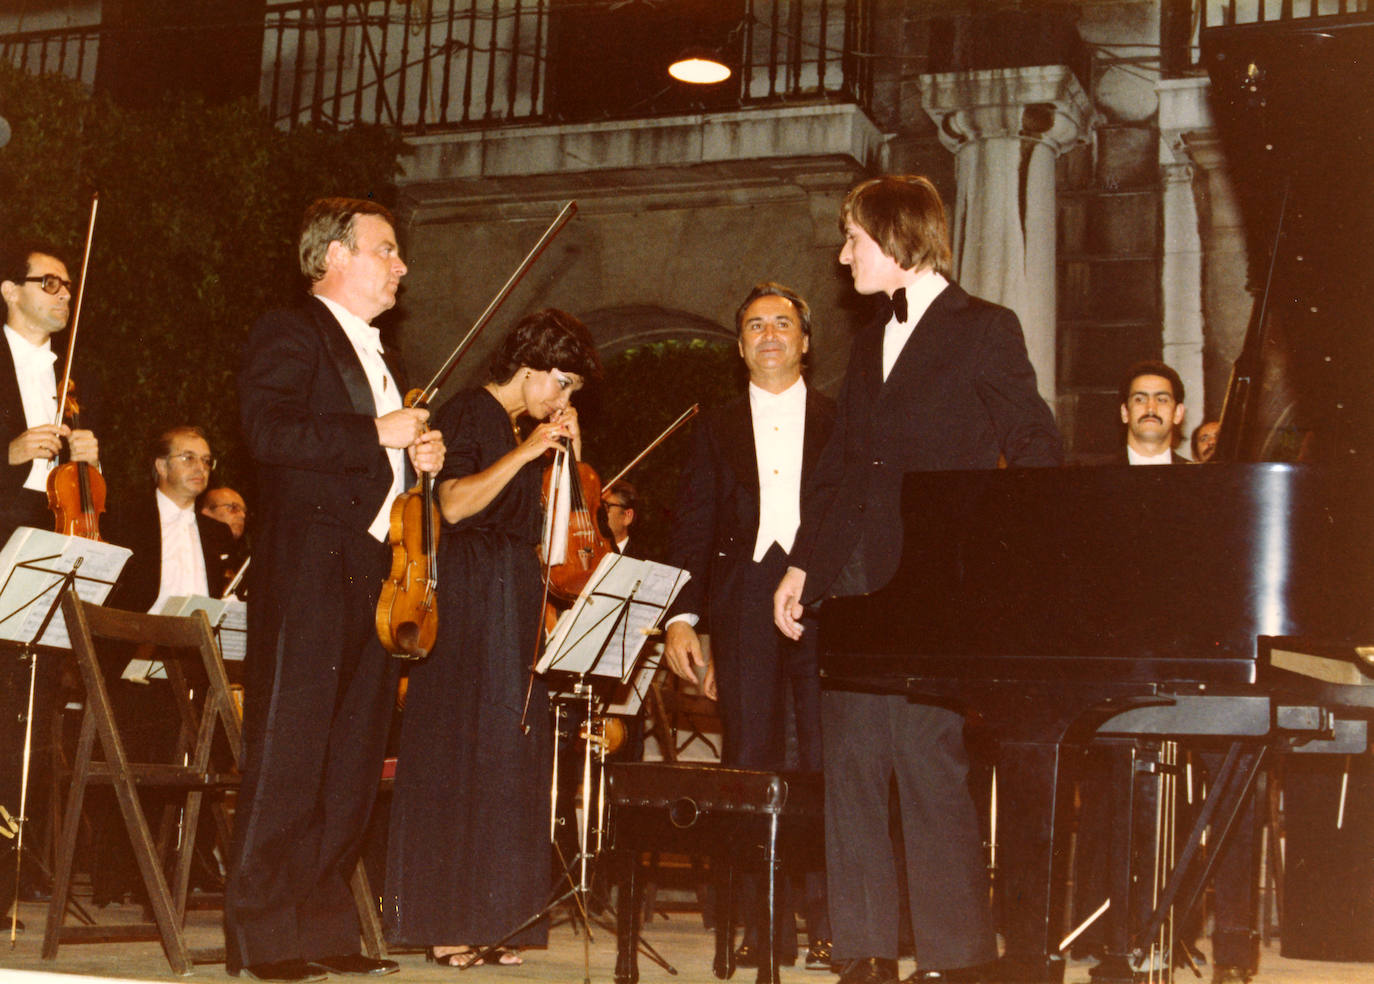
938, 380
320, 400
742, 494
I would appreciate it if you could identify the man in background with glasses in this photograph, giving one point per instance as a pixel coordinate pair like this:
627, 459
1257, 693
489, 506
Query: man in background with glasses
37, 293
176, 552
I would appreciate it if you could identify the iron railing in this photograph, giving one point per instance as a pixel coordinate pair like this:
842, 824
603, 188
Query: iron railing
426, 65
69, 51
1183, 21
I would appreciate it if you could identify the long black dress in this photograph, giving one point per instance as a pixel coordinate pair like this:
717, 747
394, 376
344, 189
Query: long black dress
469, 856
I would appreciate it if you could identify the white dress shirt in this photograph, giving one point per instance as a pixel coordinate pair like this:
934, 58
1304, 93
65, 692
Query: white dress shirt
183, 561
37, 391
367, 343
919, 297
779, 426
1136, 458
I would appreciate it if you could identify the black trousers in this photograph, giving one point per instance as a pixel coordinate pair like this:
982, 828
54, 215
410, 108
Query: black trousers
315, 729
761, 675
870, 740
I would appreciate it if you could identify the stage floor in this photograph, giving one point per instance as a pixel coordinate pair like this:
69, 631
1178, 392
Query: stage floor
680, 939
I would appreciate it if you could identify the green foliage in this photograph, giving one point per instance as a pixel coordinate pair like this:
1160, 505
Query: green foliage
644, 390
195, 237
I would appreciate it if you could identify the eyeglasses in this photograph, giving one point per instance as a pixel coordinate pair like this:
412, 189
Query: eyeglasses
188, 458
230, 507
615, 505
51, 283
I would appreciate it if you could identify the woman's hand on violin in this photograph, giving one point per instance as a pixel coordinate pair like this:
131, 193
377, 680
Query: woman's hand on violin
544, 436
401, 428
41, 442
84, 446
567, 418
427, 453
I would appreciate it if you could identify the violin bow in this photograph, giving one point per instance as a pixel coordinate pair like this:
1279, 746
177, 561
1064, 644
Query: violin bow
76, 312
687, 415
559, 221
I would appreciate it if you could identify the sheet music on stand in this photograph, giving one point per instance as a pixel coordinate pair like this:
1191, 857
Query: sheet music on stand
33, 564
605, 629
629, 696
228, 620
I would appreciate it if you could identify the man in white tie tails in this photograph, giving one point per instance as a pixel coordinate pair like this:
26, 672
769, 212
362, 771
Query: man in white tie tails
737, 511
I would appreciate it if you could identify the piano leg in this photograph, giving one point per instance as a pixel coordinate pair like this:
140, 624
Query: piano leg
1134, 777
1032, 858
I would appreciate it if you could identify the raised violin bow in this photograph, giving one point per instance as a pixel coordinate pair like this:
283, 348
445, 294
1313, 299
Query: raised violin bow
687, 415
560, 220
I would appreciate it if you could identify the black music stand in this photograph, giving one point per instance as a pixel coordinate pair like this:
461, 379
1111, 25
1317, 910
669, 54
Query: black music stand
600, 636
37, 568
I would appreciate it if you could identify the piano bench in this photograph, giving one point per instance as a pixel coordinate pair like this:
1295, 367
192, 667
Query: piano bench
739, 818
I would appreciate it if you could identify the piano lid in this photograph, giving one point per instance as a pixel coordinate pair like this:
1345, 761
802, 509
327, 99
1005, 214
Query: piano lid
1114, 573
1294, 103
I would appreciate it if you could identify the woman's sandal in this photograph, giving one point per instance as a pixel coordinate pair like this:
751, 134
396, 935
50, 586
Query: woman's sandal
499, 957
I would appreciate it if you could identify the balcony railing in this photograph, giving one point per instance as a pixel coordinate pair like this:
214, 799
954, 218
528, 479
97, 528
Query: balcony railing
67, 51
427, 65
1183, 22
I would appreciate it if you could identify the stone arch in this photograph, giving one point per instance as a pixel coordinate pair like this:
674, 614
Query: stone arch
617, 329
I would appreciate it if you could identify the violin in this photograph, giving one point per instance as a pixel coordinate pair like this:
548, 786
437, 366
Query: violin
76, 491
589, 538
407, 618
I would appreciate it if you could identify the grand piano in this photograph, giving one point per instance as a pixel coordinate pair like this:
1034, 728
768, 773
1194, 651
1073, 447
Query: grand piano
1224, 606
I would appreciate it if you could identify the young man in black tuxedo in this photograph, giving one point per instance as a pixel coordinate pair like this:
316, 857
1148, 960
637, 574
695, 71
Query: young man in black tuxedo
938, 380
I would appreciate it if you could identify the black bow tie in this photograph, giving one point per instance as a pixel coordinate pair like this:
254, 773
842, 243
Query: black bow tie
895, 306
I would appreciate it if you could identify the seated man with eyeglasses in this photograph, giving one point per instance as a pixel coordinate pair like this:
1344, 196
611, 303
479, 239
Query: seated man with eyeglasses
176, 551
226, 506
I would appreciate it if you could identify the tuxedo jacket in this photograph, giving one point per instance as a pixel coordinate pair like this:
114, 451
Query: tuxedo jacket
308, 417
139, 528
961, 393
18, 506
717, 517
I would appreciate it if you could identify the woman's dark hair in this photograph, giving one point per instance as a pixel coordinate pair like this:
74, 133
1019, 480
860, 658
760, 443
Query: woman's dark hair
548, 339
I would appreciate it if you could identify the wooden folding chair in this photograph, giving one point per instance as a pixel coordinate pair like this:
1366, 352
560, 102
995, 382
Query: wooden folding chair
204, 711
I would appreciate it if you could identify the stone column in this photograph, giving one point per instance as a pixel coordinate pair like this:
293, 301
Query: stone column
1006, 127
1182, 109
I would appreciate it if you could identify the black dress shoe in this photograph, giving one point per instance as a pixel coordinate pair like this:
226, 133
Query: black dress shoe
280, 972
355, 965
818, 955
869, 970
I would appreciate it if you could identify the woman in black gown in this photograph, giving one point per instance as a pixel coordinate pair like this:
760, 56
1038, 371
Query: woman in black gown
469, 857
